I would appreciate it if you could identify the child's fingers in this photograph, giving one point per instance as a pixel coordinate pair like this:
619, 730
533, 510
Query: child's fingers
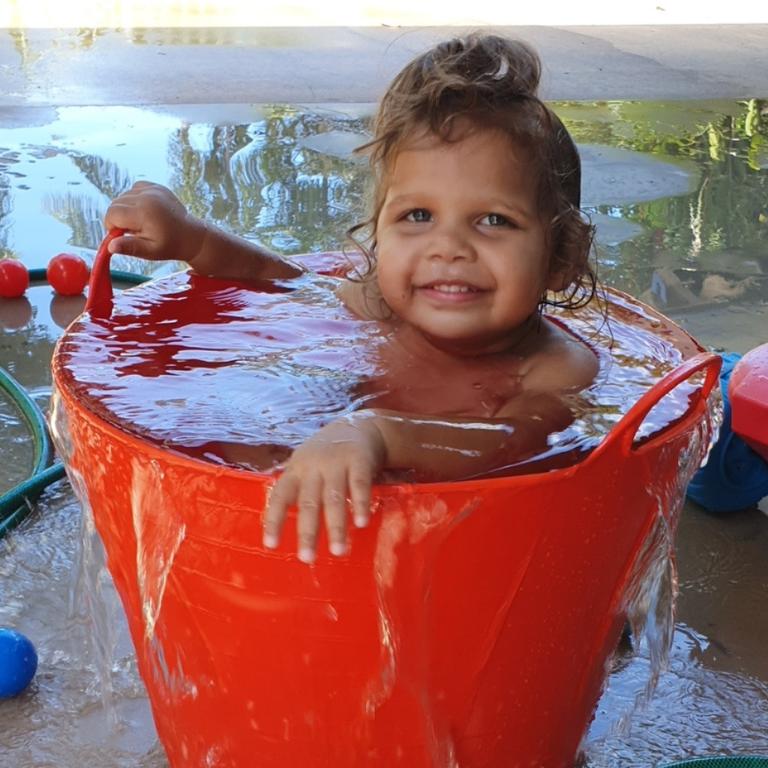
130, 245
335, 511
282, 496
308, 519
360, 482
123, 215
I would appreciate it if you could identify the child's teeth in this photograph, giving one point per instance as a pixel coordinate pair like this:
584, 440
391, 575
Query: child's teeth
452, 288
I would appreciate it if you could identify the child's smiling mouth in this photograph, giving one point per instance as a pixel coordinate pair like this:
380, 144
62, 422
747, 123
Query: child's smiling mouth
453, 291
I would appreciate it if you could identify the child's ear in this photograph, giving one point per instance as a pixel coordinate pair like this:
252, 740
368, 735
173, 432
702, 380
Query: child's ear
567, 265
560, 280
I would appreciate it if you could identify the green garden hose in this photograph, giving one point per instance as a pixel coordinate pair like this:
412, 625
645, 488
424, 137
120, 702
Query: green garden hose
744, 761
16, 504
38, 276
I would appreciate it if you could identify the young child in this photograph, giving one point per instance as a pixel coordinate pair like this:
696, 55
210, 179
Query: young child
475, 220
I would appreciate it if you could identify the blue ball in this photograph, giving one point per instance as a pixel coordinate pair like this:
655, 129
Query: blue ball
18, 663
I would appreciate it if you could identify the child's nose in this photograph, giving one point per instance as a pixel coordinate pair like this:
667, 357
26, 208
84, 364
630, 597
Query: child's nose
452, 243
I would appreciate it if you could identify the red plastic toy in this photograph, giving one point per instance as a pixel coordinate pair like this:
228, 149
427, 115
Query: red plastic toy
68, 274
748, 393
14, 279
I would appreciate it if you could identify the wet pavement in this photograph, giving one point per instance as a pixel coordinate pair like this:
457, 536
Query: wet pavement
86, 67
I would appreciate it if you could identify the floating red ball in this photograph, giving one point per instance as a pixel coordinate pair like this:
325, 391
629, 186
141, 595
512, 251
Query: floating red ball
14, 278
67, 274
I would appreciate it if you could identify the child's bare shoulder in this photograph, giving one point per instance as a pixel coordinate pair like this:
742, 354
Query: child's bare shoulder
561, 363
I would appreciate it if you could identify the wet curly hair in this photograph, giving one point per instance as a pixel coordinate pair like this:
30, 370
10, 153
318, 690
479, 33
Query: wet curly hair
483, 82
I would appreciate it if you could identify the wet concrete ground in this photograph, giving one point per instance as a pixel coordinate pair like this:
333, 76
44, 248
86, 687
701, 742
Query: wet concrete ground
50, 67
719, 656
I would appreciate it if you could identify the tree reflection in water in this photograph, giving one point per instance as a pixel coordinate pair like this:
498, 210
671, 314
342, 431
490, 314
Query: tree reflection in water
5, 210
722, 225
260, 180
257, 180
264, 181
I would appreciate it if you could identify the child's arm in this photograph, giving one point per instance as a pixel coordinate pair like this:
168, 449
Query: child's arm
338, 465
160, 227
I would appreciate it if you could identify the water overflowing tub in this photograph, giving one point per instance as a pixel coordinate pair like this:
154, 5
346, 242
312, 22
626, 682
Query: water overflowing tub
473, 621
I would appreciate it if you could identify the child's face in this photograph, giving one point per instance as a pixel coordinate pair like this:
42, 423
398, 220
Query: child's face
461, 247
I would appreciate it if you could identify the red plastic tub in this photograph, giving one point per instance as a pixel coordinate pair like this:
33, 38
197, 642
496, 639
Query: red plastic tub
470, 626
748, 393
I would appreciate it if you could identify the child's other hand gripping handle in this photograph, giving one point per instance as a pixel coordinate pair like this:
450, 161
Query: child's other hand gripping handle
158, 227
158, 224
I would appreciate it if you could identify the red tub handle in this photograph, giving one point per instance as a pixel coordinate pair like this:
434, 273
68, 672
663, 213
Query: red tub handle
624, 432
99, 302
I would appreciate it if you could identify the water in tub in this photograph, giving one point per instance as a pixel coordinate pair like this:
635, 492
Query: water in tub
684, 236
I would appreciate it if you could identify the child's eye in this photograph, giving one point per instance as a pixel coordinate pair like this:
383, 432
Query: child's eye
418, 215
496, 220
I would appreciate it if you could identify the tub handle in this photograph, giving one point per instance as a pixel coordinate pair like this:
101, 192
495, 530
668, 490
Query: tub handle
624, 432
99, 302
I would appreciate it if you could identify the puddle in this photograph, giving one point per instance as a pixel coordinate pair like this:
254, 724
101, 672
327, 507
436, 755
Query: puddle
678, 192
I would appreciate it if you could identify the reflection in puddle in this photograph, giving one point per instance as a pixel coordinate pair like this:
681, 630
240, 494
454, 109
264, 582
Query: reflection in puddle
695, 238
704, 246
692, 206
262, 179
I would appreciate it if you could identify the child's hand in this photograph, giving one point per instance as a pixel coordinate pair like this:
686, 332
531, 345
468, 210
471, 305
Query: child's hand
158, 223
337, 464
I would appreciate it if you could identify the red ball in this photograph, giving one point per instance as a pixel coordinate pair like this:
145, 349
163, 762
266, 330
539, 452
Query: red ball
14, 278
67, 274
